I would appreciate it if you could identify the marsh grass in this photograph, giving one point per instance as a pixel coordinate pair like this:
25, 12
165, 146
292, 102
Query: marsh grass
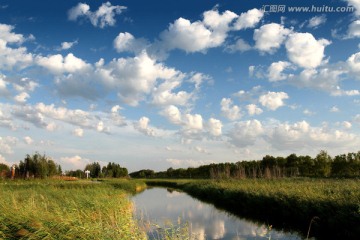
175, 232
66, 210
167, 230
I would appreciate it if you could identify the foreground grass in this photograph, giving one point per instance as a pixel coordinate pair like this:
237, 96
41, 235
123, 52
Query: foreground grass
67, 210
333, 206
102, 210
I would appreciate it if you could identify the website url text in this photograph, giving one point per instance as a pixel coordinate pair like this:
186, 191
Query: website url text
308, 9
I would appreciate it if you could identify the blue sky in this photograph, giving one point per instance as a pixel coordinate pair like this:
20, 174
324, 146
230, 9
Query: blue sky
159, 84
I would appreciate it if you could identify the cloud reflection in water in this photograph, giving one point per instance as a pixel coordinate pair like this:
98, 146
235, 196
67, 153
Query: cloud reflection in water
161, 206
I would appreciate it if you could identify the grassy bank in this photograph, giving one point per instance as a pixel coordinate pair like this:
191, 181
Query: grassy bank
333, 205
52, 209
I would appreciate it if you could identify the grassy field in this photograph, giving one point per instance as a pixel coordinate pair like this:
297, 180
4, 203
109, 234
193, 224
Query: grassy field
333, 206
55, 209
52, 209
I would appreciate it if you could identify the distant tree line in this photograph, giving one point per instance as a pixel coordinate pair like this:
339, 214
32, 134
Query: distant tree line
38, 166
112, 170
323, 165
42, 166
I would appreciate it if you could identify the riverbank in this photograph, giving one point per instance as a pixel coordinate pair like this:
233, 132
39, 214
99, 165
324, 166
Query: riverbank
55, 209
331, 206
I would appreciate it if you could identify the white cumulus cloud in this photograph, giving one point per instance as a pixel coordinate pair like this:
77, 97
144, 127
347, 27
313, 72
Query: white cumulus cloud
173, 114
304, 50
143, 126
273, 100
7, 34
164, 93
193, 121
275, 71
230, 111
190, 37
21, 97
253, 109
215, 127
356, 4
11, 57
28, 140
126, 42
104, 16
58, 64
269, 37
79, 132
198, 36
249, 19
301, 135
135, 77
354, 63
67, 45
245, 133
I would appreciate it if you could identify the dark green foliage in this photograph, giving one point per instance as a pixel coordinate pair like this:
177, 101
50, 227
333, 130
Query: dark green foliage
323, 165
146, 173
75, 173
346, 165
95, 169
114, 170
4, 167
4, 170
38, 166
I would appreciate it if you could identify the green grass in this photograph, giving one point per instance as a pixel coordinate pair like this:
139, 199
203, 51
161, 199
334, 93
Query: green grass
290, 203
67, 210
55, 209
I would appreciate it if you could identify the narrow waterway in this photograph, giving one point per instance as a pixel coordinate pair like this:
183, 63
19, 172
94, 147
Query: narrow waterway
159, 208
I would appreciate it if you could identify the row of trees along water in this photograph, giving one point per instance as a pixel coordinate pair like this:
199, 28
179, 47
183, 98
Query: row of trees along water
38, 166
41, 166
112, 170
323, 165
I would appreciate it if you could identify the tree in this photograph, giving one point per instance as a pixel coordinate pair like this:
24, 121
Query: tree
59, 170
339, 166
94, 168
169, 172
114, 170
4, 167
306, 166
145, 173
323, 164
346, 165
77, 173
52, 168
4, 170
39, 166
268, 161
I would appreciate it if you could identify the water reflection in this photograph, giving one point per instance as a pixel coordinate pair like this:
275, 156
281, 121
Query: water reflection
161, 206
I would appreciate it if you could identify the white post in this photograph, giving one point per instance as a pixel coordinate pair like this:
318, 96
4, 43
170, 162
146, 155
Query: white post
87, 172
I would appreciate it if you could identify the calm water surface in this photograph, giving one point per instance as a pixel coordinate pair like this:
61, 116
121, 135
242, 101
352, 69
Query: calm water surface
164, 207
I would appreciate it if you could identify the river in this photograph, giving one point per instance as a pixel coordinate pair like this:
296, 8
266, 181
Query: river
159, 208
